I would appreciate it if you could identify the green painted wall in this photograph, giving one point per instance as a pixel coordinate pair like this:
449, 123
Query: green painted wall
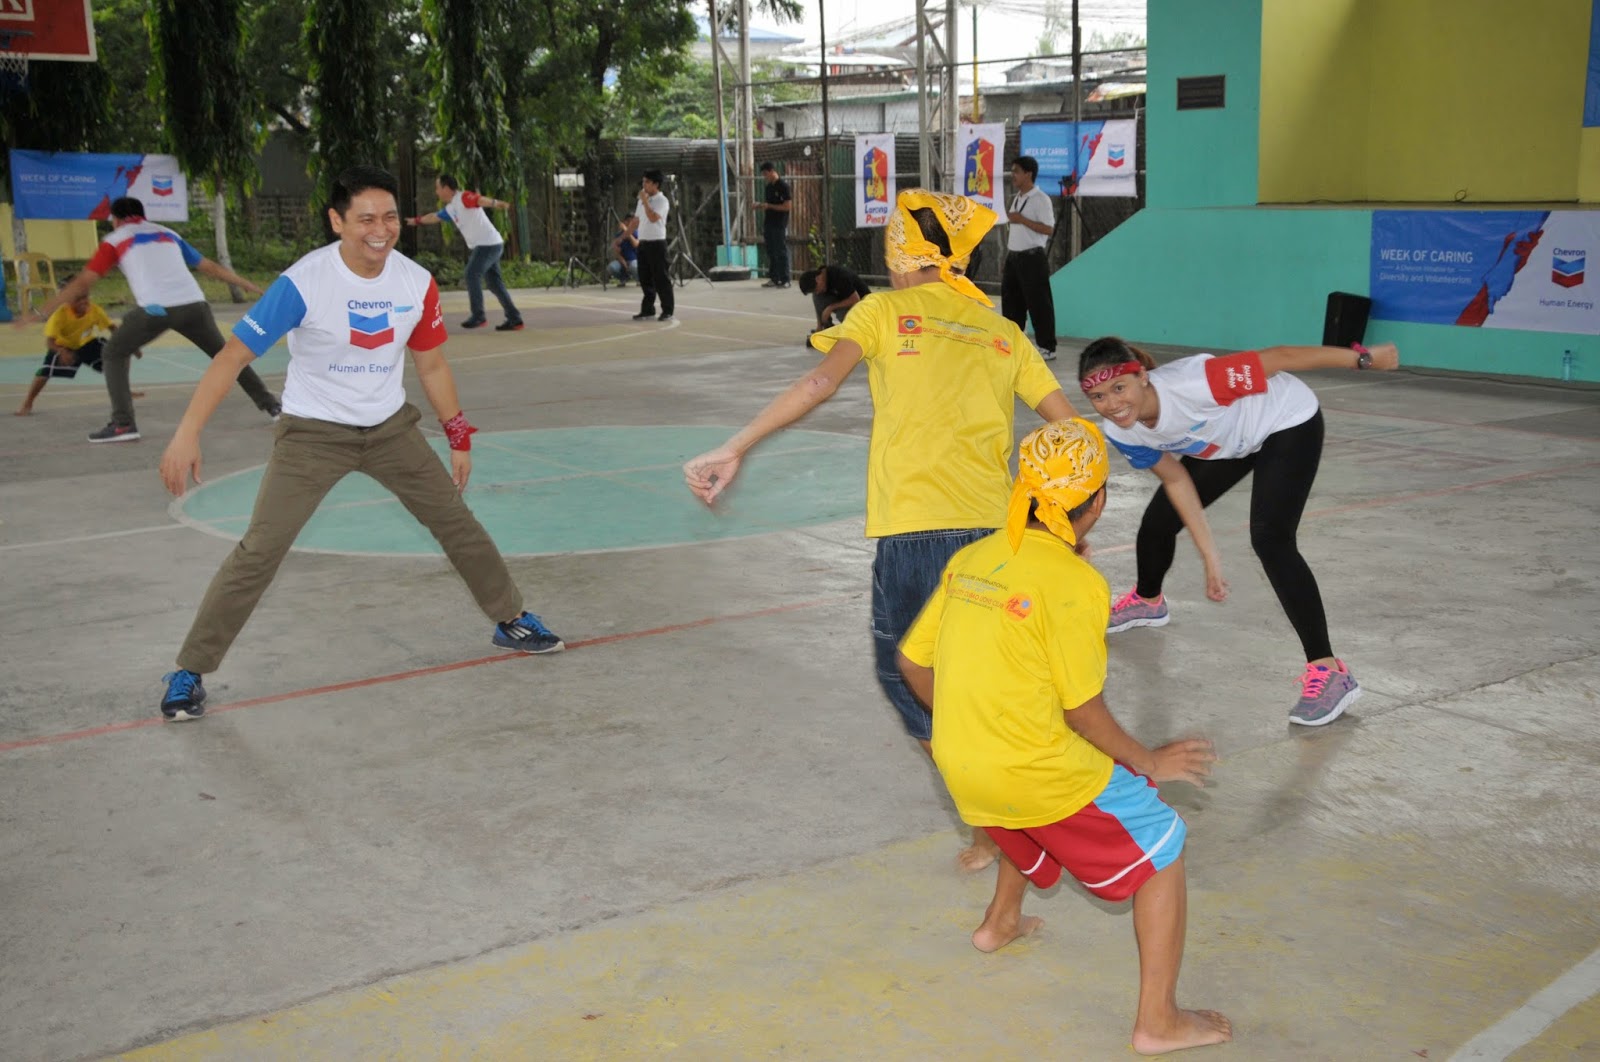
1235, 278
1208, 157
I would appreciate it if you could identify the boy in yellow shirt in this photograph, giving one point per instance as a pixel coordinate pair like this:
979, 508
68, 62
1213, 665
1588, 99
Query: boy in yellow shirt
1010, 656
945, 372
74, 335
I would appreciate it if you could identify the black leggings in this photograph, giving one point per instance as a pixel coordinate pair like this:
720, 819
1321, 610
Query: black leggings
1285, 467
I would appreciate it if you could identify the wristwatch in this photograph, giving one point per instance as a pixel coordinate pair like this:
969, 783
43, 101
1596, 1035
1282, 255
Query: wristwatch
1363, 356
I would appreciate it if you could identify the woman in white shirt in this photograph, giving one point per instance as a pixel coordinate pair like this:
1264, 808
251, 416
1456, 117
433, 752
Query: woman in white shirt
1202, 424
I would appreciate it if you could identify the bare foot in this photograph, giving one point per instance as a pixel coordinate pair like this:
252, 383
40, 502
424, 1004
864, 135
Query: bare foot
23, 412
992, 936
136, 394
1192, 1028
979, 854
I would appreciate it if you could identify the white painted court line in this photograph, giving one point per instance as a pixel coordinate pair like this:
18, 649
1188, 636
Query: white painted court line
90, 538
1525, 1023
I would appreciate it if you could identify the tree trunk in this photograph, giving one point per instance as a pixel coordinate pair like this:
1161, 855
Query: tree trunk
219, 225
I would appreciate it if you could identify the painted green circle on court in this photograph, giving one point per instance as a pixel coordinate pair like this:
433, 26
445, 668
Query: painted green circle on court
575, 490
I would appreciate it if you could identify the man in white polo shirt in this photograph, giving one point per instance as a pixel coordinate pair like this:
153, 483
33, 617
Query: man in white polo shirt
465, 210
649, 223
156, 262
350, 311
1025, 282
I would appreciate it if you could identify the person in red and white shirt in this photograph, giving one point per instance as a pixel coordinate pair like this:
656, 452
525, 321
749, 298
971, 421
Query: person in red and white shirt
467, 212
156, 262
1202, 424
350, 311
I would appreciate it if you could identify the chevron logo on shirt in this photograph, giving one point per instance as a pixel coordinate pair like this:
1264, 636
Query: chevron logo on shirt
370, 333
161, 185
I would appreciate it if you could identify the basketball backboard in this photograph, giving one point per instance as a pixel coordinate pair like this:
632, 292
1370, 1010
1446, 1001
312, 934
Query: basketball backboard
59, 30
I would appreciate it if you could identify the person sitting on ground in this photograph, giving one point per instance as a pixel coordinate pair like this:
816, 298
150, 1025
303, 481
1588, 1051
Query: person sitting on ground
74, 335
833, 290
624, 262
1009, 656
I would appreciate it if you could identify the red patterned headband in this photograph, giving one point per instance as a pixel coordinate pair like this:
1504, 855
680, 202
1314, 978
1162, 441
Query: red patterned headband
1109, 373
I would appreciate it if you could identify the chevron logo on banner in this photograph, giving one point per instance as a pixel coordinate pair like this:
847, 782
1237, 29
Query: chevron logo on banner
161, 185
1566, 268
370, 333
1116, 156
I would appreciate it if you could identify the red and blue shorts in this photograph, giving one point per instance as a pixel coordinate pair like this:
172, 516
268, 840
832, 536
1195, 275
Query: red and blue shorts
1115, 844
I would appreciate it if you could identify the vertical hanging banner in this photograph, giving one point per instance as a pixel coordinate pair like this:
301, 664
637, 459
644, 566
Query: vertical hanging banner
978, 151
1086, 158
874, 179
1521, 269
74, 186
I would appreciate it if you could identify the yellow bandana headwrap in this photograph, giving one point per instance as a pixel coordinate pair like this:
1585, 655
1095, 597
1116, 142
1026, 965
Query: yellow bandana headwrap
965, 222
1059, 467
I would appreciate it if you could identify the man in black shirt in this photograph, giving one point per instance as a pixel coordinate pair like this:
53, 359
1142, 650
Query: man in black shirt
779, 201
833, 290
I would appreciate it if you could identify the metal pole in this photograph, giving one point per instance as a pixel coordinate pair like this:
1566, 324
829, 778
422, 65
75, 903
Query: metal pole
924, 141
722, 134
977, 104
827, 143
747, 131
952, 95
1077, 120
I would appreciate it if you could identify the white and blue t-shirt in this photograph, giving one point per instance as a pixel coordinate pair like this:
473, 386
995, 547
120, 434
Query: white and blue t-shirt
155, 260
464, 212
1213, 409
347, 334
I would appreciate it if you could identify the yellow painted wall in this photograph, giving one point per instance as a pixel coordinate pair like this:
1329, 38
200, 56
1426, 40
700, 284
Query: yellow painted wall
1589, 166
1314, 76
1476, 101
61, 240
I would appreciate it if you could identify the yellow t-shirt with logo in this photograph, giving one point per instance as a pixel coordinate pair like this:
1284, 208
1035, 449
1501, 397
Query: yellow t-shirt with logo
945, 372
1014, 639
72, 331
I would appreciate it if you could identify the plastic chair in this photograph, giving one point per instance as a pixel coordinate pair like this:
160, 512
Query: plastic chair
39, 267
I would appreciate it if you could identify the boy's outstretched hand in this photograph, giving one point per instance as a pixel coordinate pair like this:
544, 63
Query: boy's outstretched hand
1188, 760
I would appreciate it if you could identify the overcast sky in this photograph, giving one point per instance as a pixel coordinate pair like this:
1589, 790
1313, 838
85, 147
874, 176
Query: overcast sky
1006, 28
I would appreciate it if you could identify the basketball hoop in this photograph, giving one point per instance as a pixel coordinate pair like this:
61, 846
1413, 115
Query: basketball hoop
14, 60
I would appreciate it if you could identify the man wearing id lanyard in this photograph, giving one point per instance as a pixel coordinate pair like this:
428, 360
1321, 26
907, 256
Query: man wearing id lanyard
1025, 282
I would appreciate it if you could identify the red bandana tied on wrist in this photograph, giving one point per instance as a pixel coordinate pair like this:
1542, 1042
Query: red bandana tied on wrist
1107, 374
459, 432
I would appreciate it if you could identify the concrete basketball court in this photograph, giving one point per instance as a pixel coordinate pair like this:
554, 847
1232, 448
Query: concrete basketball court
700, 833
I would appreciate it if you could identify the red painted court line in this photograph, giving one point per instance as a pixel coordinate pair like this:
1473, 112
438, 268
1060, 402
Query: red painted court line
421, 672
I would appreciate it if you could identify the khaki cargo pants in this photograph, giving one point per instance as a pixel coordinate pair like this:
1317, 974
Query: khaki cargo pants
308, 458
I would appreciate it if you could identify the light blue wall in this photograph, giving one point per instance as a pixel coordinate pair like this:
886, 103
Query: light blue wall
1236, 278
1206, 157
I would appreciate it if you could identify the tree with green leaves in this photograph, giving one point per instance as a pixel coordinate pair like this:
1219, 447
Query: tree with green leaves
349, 84
468, 89
198, 49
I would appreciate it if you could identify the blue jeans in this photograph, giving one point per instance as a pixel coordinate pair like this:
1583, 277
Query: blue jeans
483, 263
905, 572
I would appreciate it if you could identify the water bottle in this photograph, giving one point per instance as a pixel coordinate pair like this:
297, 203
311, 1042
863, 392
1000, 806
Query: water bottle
1566, 366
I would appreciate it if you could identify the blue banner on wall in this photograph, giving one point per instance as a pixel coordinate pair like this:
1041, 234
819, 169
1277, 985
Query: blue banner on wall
1521, 269
1591, 93
75, 186
1086, 158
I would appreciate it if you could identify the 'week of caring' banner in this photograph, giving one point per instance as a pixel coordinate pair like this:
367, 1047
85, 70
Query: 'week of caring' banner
1523, 269
978, 151
74, 186
1086, 158
874, 179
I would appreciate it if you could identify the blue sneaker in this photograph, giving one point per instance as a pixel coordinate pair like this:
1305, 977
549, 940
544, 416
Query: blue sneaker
527, 634
185, 699
1131, 610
